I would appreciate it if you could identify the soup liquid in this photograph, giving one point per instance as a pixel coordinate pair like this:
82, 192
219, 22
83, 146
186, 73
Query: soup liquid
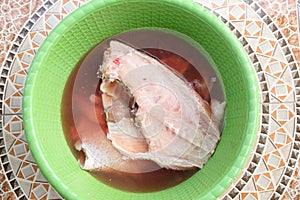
83, 85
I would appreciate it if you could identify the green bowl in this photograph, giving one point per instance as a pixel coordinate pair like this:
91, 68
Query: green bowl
95, 22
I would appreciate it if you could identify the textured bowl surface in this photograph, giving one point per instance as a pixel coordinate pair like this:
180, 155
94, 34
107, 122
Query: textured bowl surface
98, 20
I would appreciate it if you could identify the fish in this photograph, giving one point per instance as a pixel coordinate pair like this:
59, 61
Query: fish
153, 113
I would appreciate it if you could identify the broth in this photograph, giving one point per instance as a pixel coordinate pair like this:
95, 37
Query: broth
83, 84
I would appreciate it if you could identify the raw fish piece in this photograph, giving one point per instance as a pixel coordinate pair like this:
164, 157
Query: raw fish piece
168, 123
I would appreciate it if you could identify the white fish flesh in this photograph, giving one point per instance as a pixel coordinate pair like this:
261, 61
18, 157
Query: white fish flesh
153, 113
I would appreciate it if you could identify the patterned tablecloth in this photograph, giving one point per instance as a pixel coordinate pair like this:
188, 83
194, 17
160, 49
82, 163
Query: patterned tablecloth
269, 32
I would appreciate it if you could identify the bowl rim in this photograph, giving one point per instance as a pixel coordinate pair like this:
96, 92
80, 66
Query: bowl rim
189, 5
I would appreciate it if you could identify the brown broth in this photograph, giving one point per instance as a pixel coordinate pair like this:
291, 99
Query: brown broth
77, 108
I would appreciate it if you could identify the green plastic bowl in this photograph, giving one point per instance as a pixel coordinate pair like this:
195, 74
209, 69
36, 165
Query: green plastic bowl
98, 20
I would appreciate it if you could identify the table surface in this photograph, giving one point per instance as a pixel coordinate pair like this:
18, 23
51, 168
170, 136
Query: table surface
269, 32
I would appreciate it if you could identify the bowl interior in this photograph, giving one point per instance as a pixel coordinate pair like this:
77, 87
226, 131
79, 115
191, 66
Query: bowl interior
95, 22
